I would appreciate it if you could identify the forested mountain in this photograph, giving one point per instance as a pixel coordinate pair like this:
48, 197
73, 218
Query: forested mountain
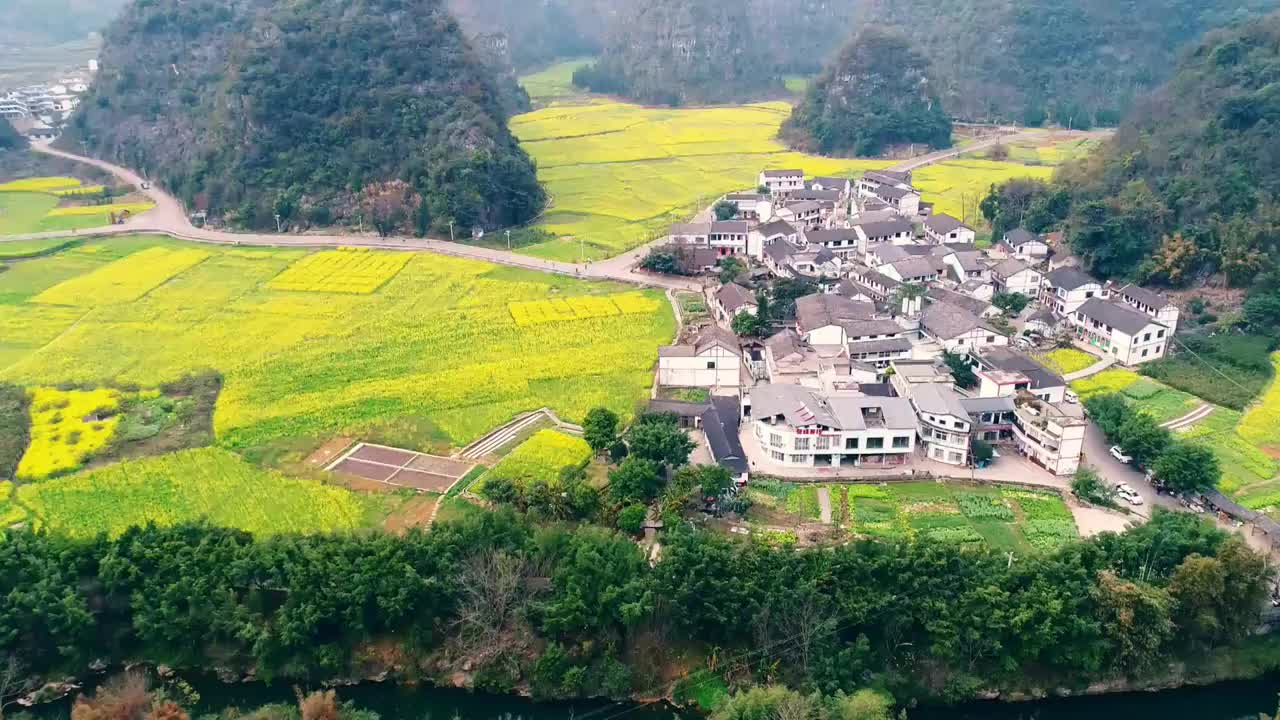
677, 52
55, 21
320, 111
1072, 62
539, 31
878, 93
10, 139
1188, 185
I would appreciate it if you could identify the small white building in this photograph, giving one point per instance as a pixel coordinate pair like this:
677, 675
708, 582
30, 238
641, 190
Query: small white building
1048, 435
1015, 276
732, 300
1129, 336
844, 186
770, 232
905, 200
944, 229
1154, 304
915, 270
821, 318
806, 214
957, 329
841, 241
896, 232
1066, 289
943, 423
714, 359
1022, 244
781, 182
968, 265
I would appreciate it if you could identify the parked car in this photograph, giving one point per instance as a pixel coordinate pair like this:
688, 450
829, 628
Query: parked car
1072, 397
1128, 494
1022, 343
1118, 454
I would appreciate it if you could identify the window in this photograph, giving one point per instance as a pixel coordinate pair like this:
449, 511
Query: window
991, 338
875, 443
937, 453
802, 443
822, 443
959, 424
1160, 334
775, 440
711, 364
799, 459
851, 443
902, 442
1146, 338
1088, 294
777, 456
941, 436
1144, 353
957, 457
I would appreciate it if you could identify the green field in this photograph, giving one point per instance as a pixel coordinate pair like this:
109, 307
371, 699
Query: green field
433, 356
31, 206
22, 212
1002, 518
541, 458
1155, 398
207, 484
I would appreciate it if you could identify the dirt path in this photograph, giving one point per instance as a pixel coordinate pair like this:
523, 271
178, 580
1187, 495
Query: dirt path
824, 504
1190, 418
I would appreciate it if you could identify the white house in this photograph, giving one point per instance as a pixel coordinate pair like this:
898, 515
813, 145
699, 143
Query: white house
1022, 244
781, 182
1047, 435
1129, 336
968, 265
748, 204
802, 213
872, 180
726, 237
821, 317
1005, 371
713, 360
1015, 276
1155, 304
942, 421
1066, 289
732, 300
802, 427
957, 329
903, 199
841, 241
897, 232
915, 270
768, 233
844, 186
944, 229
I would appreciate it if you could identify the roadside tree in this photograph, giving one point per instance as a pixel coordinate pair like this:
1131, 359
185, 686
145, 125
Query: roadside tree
1186, 467
600, 429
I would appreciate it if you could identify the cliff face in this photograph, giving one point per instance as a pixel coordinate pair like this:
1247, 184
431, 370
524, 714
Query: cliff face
877, 93
251, 108
539, 31
683, 52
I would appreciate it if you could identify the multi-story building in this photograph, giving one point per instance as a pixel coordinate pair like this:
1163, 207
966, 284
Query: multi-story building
802, 427
1152, 303
942, 421
781, 182
1067, 288
1048, 435
1015, 276
713, 359
725, 237
944, 229
1129, 336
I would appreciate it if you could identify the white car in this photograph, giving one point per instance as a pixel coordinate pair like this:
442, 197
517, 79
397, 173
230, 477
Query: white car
1118, 454
1131, 496
1072, 398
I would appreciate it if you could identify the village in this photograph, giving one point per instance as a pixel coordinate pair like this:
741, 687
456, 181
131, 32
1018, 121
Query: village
860, 379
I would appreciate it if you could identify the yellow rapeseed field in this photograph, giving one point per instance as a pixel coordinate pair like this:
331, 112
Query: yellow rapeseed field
123, 280
580, 308
956, 187
116, 208
341, 271
40, 184
436, 345
64, 431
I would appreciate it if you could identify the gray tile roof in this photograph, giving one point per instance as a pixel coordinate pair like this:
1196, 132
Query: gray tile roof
822, 309
690, 228
801, 406
1010, 360
782, 173
1121, 317
1019, 236
971, 261
948, 321
960, 300
780, 250
744, 196
885, 228
831, 181
863, 328
1150, 298
833, 235
1069, 278
918, 267
776, 227
1009, 268
979, 405
730, 226
938, 399
888, 252
829, 196
715, 335
734, 296
892, 192
720, 427
943, 223
803, 206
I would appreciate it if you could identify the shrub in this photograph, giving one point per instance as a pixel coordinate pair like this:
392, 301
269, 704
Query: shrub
631, 518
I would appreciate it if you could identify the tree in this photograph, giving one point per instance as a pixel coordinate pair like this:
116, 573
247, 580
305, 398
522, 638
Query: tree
1110, 411
707, 480
600, 429
725, 210
863, 705
746, 325
631, 518
637, 479
730, 269
599, 586
661, 261
981, 451
660, 439
1089, 487
493, 593
1217, 599
961, 371
1187, 467
1142, 438
1011, 303
14, 680
1135, 620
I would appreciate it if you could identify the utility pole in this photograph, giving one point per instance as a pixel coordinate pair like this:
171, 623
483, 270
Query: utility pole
278, 228
451, 231
508, 241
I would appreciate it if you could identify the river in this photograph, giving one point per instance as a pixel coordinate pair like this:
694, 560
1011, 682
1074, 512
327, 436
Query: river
1223, 701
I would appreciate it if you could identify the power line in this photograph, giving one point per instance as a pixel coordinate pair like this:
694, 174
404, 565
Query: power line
1209, 365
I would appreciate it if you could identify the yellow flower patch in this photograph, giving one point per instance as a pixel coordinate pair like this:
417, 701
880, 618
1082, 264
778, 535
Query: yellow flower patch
117, 208
341, 271
39, 184
124, 280
67, 428
537, 312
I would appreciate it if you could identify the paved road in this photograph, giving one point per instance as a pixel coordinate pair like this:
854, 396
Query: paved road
169, 218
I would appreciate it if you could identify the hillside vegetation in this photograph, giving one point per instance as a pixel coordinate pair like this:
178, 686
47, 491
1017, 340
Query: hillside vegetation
677, 52
373, 111
876, 94
54, 21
